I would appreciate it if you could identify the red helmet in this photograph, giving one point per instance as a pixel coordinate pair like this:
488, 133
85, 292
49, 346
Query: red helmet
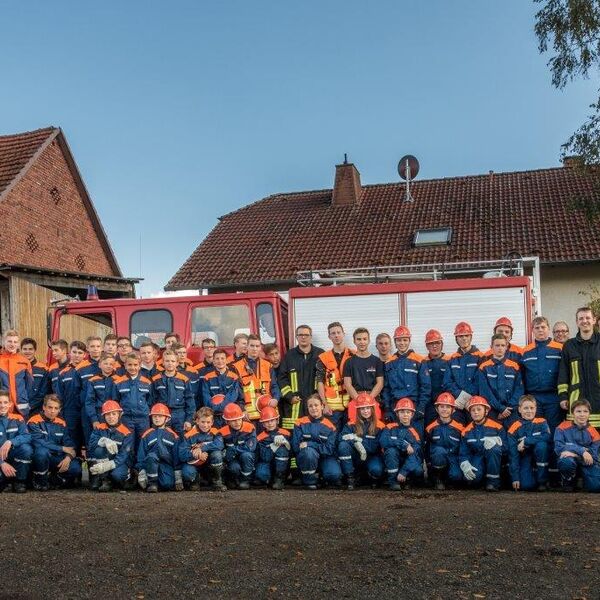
433, 335
503, 321
402, 331
160, 410
232, 412
263, 401
445, 398
404, 404
363, 400
196, 462
268, 413
111, 406
477, 401
463, 328
217, 399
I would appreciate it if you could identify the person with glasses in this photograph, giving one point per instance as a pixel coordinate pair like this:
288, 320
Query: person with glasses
560, 332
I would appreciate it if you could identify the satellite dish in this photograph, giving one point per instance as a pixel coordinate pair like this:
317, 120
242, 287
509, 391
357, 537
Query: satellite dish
408, 167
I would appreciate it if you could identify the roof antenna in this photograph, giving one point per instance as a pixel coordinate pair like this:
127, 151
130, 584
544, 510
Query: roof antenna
345, 158
408, 169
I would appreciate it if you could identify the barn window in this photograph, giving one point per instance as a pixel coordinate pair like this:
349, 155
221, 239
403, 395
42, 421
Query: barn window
31, 242
431, 237
80, 262
55, 194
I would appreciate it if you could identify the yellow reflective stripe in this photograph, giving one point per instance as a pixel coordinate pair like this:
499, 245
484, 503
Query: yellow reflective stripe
574, 372
336, 404
294, 381
286, 389
574, 396
296, 411
563, 388
293, 464
250, 398
288, 423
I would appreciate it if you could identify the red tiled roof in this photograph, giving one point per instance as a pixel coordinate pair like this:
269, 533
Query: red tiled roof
17, 150
490, 215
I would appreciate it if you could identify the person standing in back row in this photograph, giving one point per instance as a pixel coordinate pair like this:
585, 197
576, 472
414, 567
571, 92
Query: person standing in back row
579, 371
297, 377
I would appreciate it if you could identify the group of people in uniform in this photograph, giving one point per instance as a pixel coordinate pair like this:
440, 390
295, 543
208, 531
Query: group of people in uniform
520, 417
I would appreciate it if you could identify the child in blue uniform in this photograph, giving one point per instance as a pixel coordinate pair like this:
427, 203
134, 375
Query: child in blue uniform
314, 440
111, 449
273, 450
482, 445
402, 447
529, 448
201, 451
443, 437
53, 451
577, 444
359, 448
158, 454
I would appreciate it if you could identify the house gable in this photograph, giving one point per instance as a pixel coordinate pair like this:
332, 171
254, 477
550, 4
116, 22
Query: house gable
48, 219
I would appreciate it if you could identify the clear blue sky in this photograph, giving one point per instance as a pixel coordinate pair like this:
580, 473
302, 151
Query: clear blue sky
178, 112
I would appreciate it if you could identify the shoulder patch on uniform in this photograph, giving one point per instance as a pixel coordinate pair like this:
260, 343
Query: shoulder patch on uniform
513, 364
516, 425
554, 344
156, 377
431, 426
82, 365
468, 428
144, 379
60, 421
328, 423
493, 424
147, 432
232, 374
172, 431
247, 427
565, 425
213, 431
415, 433
391, 426
595, 435
15, 416
182, 377
416, 357
123, 429
261, 436
191, 432
302, 421
528, 347
485, 363
284, 432
225, 430
457, 425
36, 419
103, 426
539, 420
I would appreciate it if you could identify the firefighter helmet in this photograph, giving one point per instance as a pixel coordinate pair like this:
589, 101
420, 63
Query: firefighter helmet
503, 321
263, 401
478, 401
445, 398
404, 404
402, 331
364, 400
111, 406
160, 410
433, 335
232, 412
268, 413
463, 328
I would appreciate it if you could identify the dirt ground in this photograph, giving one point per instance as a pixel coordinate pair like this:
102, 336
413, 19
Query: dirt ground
300, 544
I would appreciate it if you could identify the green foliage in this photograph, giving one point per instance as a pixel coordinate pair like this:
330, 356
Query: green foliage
593, 293
571, 28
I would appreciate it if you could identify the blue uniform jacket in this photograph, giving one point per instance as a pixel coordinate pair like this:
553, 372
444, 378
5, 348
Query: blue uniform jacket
372, 443
461, 374
540, 363
445, 435
134, 396
437, 368
265, 439
99, 389
471, 443
228, 384
69, 389
238, 441
174, 392
53, 371
319, 434
396, 435
119, 434
568, 437
210, 441
87, 369
14, 429
500, 383
52, 435
40, 386
407, 376
163, 442
532, 433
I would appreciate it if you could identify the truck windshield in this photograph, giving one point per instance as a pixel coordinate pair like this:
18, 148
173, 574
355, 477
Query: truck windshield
220, 323
81, 326
150, 325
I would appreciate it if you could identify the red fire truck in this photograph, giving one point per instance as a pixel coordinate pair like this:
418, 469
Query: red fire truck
422, 304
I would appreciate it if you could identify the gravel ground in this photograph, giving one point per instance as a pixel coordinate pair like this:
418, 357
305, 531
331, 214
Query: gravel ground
299, 544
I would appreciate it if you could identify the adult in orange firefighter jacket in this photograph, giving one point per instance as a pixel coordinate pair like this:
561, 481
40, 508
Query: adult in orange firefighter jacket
15, 376
330, 370
256, 379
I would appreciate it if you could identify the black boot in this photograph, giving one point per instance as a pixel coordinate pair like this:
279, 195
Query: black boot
94, 482
350, 482
244, 484
105, 485
19, 487
152, 488
217, 479
277, 483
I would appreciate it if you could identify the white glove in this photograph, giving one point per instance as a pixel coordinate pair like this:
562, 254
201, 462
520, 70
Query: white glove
490, 441
102, 467
143, 479
349, 437
111, 446
462, 399
361, 450
178, 481
274, 447
469, 471
279, 440
102, 442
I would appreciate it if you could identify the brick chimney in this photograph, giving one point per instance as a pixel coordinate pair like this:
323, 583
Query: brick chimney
346, 189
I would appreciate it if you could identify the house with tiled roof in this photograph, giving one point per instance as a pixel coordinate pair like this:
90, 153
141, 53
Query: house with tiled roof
466, 219
52, 243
